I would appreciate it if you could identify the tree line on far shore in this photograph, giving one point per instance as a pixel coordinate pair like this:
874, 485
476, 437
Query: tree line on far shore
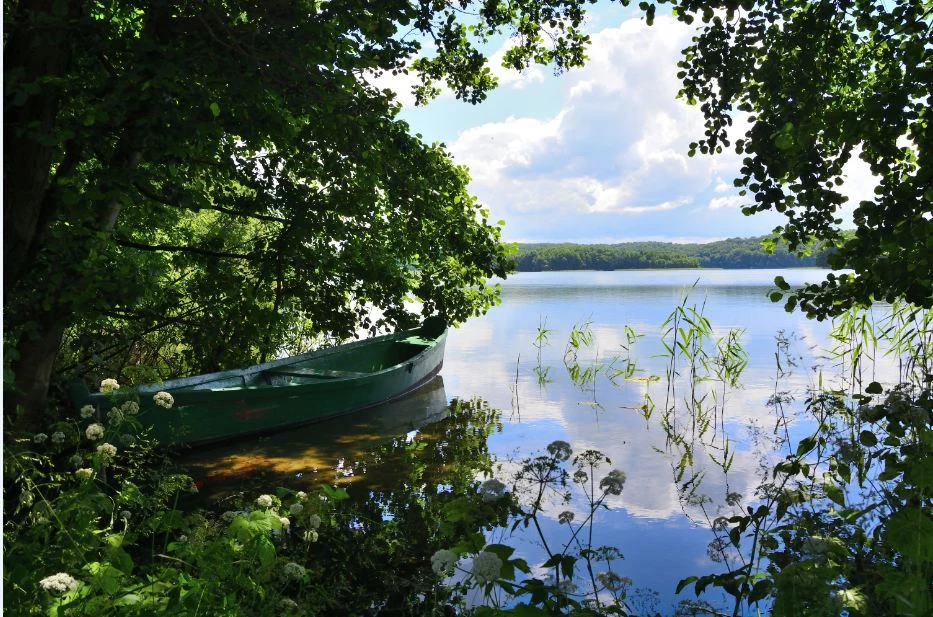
733, 253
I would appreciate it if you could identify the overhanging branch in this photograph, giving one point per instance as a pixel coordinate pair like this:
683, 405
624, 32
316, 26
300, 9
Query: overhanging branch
174, 248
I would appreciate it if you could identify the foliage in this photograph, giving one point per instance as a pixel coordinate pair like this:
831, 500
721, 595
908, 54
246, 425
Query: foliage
731, 253
842, 522
507, 583
187, 169
822, 83
119, 537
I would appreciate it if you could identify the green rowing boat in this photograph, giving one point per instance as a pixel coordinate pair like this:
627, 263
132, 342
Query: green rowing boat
286, 393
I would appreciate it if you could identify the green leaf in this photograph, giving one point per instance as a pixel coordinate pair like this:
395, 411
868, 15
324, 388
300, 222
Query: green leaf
502, 551
215, 109
760, 591
806, 444
867, 439
874, 388
335, 493
684, 582
834, 493
525, 610
781, 283
910, 532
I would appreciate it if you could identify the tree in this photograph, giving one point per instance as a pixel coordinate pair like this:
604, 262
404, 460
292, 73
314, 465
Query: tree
193, 186
824, 81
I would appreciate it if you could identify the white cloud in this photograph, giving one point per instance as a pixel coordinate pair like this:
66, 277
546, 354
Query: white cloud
618, 146
401, 84
733, 201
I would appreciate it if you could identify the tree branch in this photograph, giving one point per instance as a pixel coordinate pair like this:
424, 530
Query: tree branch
182, 249
148, 191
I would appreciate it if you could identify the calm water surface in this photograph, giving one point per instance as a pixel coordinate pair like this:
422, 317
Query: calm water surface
662, 532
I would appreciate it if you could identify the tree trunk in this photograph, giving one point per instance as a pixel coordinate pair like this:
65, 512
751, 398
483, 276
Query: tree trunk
33, 370
29, 54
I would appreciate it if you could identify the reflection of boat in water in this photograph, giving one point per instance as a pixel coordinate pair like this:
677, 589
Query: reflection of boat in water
292, 391
310, 453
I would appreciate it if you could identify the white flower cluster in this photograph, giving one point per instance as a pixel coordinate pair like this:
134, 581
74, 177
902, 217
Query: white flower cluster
87, 411
314, 521
130, 408
566, 586
115, 417
109, 385
58, 437
486, 567
107, 451
443, 562
301, 496
84, 473
39, 438
57, 584
293, 571
288, 605
285, 522
264, 501
76, 460
310, 536
295, 509
492, 490
125, 515
94, 431
611, 581
163, 399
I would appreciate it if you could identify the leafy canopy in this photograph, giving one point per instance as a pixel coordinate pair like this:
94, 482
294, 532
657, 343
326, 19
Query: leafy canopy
824, 82
191, 175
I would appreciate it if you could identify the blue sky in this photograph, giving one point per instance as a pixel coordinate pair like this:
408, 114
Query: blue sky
598, 154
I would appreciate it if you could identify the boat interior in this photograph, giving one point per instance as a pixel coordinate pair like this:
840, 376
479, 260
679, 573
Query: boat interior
326, 367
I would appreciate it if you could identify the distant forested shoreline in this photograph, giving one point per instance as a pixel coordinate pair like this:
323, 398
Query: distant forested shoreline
733, 253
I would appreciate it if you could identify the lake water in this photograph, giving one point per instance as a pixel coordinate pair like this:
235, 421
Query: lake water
660, 522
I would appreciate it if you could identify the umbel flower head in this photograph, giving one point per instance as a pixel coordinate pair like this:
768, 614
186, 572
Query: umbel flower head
293, 571
107, 451
560, 450
163, 399
57, 584
443, 562
84, 473
486, 567
94, 431
115, 417
613, 482
264, 501
109, 385
87, 411
492, 490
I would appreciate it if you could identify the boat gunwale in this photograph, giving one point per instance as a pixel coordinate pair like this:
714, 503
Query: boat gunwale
263, 391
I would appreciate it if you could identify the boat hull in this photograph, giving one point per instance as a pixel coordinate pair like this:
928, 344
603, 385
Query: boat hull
290, 392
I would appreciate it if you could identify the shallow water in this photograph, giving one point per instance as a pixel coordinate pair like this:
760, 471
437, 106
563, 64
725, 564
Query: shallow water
660, 521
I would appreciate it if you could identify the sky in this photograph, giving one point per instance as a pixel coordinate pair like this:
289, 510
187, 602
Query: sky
598, 154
